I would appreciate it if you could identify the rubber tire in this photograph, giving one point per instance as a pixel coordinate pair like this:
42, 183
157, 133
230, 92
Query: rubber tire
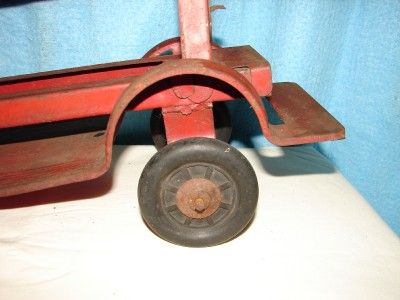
197, 150
222, 124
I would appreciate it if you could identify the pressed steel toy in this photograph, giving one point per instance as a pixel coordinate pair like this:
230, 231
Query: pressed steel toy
197, 190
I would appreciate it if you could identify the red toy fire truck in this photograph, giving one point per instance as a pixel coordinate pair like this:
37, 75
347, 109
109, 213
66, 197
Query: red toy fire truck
197, 190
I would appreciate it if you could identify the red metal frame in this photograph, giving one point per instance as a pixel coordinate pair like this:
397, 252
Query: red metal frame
184, 84
57, 96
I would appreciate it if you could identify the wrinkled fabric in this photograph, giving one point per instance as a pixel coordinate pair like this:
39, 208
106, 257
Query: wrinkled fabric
344, 53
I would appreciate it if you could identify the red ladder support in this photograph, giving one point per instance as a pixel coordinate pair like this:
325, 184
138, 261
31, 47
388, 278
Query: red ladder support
195, 34
194, 24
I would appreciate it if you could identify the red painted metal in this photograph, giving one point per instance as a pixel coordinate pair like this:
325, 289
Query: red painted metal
88, 92
194, 24
201, 120
200, 116
305, 120
200, 67
184, 84
195, 38
172, 45
44, 163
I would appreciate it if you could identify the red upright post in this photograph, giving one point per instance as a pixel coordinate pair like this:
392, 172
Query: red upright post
194, 24
196, 120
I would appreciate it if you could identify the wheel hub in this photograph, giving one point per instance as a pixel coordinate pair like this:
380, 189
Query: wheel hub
198, 198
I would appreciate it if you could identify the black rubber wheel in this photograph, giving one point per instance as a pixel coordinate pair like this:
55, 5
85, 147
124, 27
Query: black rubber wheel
222, 124
198, 192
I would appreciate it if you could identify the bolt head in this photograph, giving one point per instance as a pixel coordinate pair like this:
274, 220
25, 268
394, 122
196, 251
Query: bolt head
199, 205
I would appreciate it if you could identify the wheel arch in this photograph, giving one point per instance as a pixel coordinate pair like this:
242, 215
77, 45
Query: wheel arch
184, 67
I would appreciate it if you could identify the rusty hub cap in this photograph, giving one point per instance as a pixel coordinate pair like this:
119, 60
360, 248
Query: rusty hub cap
199, 195
198, 198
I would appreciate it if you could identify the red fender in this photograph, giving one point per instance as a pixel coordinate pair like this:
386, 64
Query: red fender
185, 67
173, 44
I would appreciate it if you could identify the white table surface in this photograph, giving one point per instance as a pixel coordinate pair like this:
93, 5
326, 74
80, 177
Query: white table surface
313, 237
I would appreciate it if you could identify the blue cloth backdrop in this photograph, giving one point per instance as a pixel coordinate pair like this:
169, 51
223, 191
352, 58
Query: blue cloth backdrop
344, 53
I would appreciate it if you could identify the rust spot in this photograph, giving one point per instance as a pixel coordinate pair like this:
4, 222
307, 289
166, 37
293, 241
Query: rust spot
198, 198
216, 7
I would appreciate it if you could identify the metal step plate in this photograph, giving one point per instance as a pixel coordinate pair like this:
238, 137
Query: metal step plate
304, 119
